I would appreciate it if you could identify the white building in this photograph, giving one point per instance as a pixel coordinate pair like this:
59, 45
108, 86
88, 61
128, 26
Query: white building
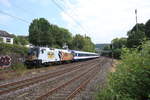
5, 37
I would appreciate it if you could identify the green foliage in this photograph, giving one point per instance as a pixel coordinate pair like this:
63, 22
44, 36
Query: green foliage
88, 45
39, 33
61, 36
56, 36
107, 51
136, 37
21, 40
132, 77
42, 33
8, 48
1, 40
107, 47
78, 42
147, 29
117, 53
115, 48
66, 36
19, 67
118, 43
83, 43
138, 27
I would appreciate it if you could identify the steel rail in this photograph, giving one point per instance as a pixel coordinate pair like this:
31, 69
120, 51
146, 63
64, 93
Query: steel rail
30, 81
78, 89
66, 83
20, 81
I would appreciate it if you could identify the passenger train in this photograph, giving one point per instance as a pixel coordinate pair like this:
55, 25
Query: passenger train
45, 56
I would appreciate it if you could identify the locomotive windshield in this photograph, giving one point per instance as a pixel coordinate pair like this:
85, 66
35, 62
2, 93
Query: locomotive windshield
33, 52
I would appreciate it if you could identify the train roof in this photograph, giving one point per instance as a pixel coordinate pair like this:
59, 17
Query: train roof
83, 52
67, 50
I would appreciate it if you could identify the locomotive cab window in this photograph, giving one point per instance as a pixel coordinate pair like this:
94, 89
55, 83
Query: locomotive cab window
42, 51
34, 52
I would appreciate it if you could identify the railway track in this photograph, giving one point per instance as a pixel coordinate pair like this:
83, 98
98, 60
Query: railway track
69, 89
6, 88
80, 87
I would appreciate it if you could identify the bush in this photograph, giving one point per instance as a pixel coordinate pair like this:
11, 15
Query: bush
117, 53
9, 48
131, 81
15, 52
19, 67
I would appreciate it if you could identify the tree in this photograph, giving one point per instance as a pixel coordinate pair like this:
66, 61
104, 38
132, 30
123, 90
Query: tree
135, 37
119, 43
21, 40
42, 33
66, 36
147, 29
88, 45
78, 42
141, 27
61, 35
39, 33
54, 29
83, 43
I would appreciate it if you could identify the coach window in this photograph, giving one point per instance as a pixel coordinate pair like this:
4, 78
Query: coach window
76, 54
79, 54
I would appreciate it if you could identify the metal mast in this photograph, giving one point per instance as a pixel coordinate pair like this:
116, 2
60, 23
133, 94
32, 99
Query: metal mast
136, 20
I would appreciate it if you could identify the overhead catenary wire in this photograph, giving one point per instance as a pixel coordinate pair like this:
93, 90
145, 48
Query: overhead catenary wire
13, 16
71, 16
73, 12
68, 7
26, 11
29, 12
60, 7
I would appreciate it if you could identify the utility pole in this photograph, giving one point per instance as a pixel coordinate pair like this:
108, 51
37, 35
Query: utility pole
112, 52
136, 20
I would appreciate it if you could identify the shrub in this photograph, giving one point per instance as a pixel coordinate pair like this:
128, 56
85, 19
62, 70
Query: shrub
19, 67
9, 48
131, 81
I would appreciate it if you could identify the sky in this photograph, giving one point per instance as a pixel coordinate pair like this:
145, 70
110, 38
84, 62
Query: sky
102, 20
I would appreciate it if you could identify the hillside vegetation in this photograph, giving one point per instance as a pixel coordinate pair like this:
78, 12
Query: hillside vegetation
131, 80
135, 37
8, 49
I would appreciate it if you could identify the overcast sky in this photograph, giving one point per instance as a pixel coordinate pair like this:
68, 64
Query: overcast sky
102, 20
